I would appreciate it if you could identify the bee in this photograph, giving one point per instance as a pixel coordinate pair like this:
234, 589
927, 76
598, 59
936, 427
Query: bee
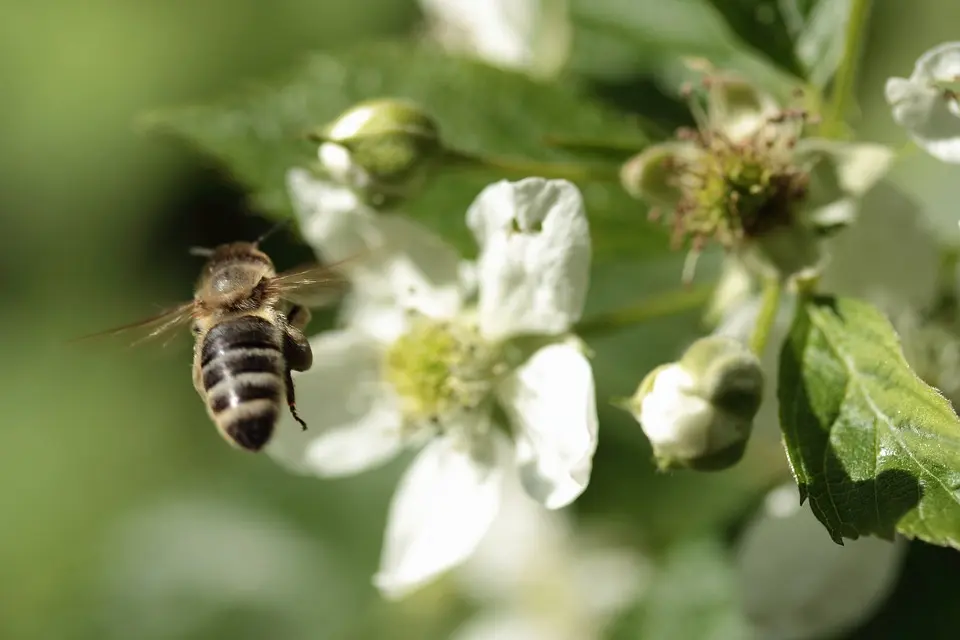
247, 323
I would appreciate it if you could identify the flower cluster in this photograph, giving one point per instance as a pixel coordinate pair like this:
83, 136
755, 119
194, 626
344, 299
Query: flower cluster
473, 363
750, 178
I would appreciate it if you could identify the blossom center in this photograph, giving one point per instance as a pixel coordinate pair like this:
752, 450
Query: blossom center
739, 188
440, 368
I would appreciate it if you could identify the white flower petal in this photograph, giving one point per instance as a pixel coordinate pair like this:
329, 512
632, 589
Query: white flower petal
531, 35
332, 219
524, 542
408, 267
394, 264
353, 420
336, 160
534, 264
854, 167
796, 583
551, 402
673, 417
498, 31
840, 174
378, 317
443, 507
927, 111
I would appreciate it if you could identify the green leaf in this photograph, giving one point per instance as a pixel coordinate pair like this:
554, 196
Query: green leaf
873, 447
818, 31
258, 136
693, 596
627, 38
761, 25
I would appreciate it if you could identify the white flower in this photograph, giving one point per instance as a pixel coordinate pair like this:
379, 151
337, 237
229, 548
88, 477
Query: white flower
797, 584
698, 412
331, 215
926, 105
420, 364
748, 178
527, 35
536, 576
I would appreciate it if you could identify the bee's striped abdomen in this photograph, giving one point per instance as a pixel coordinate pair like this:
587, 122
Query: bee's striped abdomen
242, 369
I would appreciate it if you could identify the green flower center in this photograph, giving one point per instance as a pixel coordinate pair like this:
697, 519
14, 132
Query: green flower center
440, 368
739, 189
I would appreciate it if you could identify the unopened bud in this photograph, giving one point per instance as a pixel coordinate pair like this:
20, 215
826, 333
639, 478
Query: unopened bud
380, 148
698, 413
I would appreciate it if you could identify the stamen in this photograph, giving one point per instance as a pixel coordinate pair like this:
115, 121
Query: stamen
441, 369
735, 189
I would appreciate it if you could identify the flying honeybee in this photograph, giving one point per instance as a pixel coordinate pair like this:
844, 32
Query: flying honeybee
247, 323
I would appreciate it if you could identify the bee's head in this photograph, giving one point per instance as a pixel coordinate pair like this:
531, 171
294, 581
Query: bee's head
232, 274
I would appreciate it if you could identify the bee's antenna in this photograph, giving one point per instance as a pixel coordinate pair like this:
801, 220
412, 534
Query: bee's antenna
203, 252
269, 232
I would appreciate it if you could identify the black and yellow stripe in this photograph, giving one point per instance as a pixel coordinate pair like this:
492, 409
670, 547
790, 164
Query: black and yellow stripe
242, 369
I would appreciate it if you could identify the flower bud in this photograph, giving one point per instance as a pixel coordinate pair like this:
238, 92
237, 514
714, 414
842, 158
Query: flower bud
698, 413
380, 148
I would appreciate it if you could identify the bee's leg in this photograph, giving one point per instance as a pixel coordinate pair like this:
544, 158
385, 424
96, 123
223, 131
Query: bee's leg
297, 353
296, 347
292, 401
298, 317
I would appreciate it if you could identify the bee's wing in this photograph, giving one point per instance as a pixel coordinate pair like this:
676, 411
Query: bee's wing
312, 286
152, 327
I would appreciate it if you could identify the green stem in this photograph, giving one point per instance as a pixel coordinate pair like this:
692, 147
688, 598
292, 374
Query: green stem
522, 168
844, 84
666, 304
769, 306
601, 145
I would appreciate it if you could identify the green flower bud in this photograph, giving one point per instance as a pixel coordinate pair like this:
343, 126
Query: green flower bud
698, 412
383, 149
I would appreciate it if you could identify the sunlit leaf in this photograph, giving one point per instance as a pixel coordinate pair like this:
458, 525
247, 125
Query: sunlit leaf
874, 448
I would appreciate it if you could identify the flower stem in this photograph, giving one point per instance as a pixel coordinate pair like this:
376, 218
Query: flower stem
844, 83
659, 306
604, 145
769, 305
522, 168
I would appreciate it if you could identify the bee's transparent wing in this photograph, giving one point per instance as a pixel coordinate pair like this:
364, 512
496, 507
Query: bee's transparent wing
312, 286
152, 327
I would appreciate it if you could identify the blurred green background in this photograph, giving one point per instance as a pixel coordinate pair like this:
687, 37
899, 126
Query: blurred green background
96, 221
